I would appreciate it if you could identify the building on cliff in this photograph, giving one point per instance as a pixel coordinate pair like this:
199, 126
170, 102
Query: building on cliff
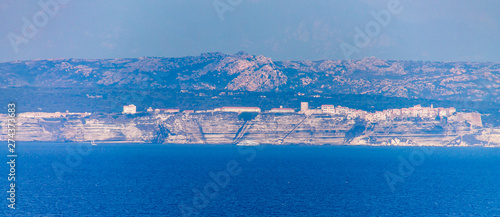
129, 109
390, 114
304, 109
238, 109
169, 110
304, 106
328, 109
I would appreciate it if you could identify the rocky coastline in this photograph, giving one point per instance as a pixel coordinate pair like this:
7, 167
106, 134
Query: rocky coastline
264, 128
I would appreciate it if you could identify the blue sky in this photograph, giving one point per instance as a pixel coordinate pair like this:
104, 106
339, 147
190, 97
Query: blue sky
436, 30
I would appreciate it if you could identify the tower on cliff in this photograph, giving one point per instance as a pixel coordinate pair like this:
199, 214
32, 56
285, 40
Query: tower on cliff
304, 106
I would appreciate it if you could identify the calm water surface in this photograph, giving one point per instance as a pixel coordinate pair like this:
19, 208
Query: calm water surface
167, 180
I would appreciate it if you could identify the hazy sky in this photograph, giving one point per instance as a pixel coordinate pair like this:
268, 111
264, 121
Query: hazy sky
440, 30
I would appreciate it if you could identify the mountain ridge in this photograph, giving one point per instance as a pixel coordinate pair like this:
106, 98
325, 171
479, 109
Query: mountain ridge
474, 81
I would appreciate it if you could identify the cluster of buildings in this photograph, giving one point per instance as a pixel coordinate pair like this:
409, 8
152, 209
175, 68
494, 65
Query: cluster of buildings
390, 114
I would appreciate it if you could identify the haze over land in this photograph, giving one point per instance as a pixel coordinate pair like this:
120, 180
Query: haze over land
214, 80
446, 30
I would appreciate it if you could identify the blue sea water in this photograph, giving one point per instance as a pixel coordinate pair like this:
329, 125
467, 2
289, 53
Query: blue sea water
76, 179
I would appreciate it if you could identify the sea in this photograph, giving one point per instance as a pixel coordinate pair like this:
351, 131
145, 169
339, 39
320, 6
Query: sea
78, 179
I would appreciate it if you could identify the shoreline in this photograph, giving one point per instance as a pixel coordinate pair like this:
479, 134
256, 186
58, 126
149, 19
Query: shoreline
290, 144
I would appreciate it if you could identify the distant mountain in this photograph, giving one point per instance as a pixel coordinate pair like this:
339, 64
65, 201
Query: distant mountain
244, 72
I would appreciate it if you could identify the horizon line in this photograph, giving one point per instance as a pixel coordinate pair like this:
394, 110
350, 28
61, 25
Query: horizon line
239, 53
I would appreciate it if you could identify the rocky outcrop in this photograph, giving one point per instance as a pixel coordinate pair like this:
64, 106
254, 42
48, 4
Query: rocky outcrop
244, 72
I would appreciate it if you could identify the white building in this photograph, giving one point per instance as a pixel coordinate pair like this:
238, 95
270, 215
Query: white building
304, 106
129, 109
169, 110
328, 109
238, 109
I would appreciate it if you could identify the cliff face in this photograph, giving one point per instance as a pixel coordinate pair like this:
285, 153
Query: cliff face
82, 129
265, 128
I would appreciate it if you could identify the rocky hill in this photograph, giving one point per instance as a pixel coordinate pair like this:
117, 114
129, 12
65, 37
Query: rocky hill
470, 81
